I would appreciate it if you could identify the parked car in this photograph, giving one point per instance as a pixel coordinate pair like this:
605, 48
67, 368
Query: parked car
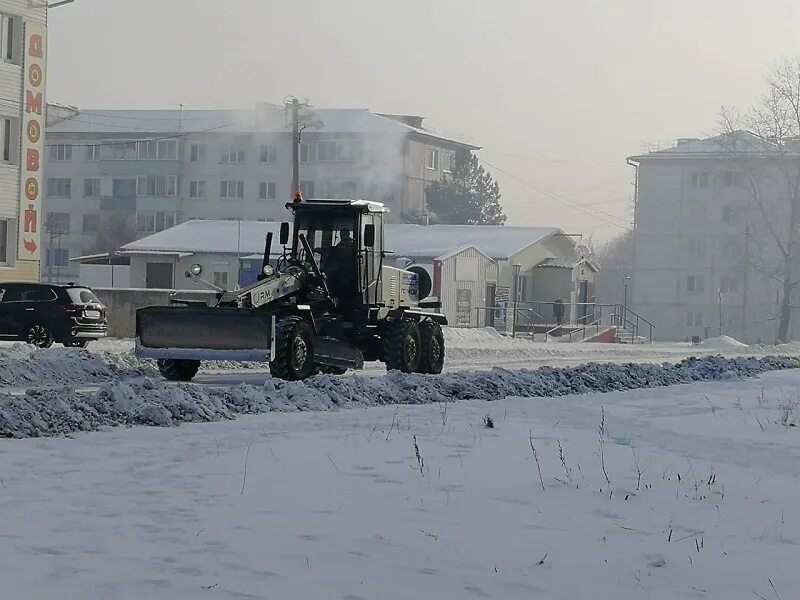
42, 313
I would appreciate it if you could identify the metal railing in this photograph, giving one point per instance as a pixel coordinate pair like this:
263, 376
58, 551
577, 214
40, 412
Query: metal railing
590, 317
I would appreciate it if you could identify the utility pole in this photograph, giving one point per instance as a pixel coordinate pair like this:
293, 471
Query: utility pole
515, 305
719, 293
744, 280
294, 108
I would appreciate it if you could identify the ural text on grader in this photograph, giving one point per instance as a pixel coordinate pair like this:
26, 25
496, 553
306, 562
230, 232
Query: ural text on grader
327, 305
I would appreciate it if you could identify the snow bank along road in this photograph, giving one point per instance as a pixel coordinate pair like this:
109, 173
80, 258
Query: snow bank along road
467, 349
688, 491
144, 401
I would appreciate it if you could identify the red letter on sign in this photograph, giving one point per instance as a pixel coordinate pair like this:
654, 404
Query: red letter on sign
33, 159
35, 47
30, 220
33, 102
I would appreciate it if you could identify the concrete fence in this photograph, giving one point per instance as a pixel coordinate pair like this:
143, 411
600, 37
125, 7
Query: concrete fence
123, 302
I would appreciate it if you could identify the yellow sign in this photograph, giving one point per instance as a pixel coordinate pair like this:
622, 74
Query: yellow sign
31, 159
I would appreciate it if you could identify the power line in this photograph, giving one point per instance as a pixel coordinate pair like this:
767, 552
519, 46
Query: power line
555, 196
594, 213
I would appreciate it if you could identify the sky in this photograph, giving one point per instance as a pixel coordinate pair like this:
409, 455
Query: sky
556, 94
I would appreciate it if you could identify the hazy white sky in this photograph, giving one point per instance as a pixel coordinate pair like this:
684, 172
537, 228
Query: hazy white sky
557, 93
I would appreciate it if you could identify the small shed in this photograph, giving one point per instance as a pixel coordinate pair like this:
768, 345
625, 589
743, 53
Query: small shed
465, 280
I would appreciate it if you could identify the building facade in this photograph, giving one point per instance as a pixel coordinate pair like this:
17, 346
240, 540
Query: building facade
23, 56
116, 176
701, 248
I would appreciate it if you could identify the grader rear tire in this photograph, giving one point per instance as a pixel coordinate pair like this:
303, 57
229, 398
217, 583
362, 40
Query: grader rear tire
402, 346
432, 357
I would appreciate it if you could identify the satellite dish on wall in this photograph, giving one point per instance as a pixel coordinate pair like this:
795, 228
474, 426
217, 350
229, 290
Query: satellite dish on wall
425, 285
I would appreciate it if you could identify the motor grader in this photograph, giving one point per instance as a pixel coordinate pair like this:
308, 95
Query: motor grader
327, 304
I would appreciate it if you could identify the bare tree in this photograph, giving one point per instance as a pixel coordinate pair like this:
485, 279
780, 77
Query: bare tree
764, 143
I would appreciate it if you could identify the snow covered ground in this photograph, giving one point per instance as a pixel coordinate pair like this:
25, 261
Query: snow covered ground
699, 501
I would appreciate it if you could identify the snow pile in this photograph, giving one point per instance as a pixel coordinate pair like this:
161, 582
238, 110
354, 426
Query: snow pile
46, 412
721, 343
22, 365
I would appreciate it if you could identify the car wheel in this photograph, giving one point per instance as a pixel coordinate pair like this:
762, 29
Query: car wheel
77, 344
39, 335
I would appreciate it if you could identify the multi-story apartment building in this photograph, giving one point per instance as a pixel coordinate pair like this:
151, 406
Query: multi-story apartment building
23, 38
113, 176
704, 262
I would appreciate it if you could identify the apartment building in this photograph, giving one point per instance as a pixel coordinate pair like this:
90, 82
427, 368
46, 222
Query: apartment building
113, 176
23, 39
702, 252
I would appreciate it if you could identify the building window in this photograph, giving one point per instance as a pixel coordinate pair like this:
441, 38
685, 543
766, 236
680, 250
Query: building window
91, 188
4, 241
432, 162
266, 190
731, 179
57, 257
230, 189
307, 189
91, 223
57, 222
197, 189
157, 185
727, 215
158, 150
698, 248
197, 153
61, 152
308, 152
233, 154
694, 319
123, 151
269, 153
729, 284
729, 248
328, 151
700, 180
59, 187
8, 42
92, 153
695, 284
124, 188
8, 137
221, 279
150, 221
339, 189
448, 162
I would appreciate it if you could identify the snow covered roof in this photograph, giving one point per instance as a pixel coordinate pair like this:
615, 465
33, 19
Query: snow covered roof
461, 249
247, 237
559, 263
271, 119
567, 263
722, 145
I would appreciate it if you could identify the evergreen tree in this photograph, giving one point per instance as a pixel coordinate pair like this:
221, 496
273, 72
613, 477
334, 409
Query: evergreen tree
468, 196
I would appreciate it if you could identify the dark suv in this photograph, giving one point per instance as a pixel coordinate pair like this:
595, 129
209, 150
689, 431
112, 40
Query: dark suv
40, 314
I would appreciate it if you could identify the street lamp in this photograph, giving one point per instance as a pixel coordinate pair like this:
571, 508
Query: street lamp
625, 281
